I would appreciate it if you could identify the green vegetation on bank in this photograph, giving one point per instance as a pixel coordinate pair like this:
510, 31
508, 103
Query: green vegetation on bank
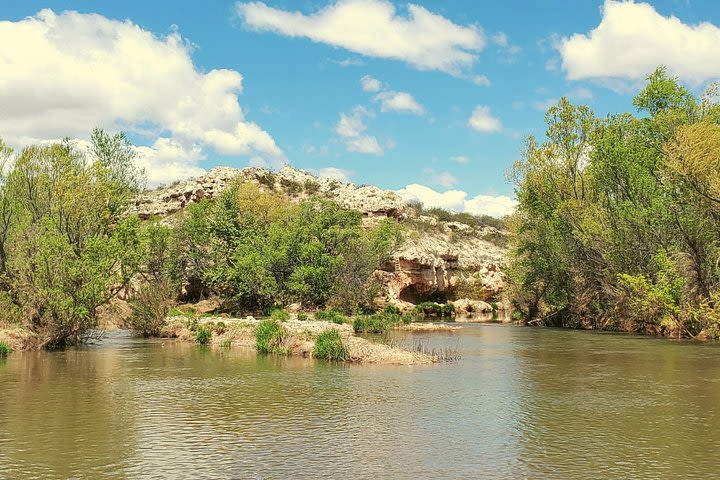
67, 245
258, 250
329, 346
618, 222
5, 349
270, 337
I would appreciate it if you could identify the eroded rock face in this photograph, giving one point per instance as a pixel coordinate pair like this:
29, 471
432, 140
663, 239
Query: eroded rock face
440, 265
438, 260
373, 202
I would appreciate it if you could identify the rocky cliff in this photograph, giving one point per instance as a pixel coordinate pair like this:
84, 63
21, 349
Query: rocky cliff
439, 261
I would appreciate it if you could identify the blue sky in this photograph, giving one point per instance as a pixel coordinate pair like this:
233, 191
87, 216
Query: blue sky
450, 89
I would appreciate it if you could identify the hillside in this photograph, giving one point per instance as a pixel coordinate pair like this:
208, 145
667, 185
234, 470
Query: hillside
437, 260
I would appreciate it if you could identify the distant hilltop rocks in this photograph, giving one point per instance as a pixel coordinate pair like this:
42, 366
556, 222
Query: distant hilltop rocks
372, 201
438, 260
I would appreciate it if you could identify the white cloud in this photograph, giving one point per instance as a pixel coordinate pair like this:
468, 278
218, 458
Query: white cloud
459, 159
370, 84
444, 179
166, 159
456, 200
543, 105
580, 93
481, 80
482, 121
364, 144
399, 102
350, 62
500, 39
632, 39
64, 74
352, 127
374, 28
509, 51
334, 173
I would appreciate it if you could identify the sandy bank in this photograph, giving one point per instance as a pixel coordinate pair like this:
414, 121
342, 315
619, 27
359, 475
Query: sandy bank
301, 337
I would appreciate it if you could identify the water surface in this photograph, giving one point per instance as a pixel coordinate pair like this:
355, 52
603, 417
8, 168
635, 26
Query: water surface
522, 403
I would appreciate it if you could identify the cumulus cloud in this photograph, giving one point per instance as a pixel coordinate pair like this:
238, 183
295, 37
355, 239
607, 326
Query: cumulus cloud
459, 159
481, 80
352, 127
370, 84
335, 173
374, 28
64, 74
444, 179
632, 39
483, 121
401, 102
456, 200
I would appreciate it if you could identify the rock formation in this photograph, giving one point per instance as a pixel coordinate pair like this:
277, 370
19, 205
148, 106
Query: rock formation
439, 261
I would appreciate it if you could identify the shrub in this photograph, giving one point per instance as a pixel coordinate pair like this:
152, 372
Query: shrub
391, 309
329, 346
5, 349
267, 179
269, 337
280, 315
291, 186
331, 315
220, 328
435, 309
149, 307
203, 334
311, 187
302, 316
379, 322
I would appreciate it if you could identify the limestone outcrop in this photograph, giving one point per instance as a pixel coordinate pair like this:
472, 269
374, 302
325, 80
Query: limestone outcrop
373, 202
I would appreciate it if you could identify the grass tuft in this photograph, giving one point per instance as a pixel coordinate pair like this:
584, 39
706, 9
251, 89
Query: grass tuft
329, 346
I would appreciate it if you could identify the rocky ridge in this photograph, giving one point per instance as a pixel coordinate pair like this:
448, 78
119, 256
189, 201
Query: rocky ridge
441, 261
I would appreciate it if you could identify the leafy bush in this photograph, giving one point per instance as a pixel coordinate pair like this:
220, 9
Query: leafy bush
331, 315
5, 349
302, 316
267, 179
270, 336
291, 186
379, 322
220, 328
443, 310
392, 310
149, 307
203, 334
329, 346
311, 187
280, 315
67, 245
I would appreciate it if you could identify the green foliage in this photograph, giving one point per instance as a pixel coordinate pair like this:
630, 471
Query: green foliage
257, 250
5, 349
220, 328
149, 308
618, 222
329, 346
302, 316
203, 334
443, 310
379, 322
66, 245
280, 315
311, 187
331, 315
291, 187
392, 310
270, 337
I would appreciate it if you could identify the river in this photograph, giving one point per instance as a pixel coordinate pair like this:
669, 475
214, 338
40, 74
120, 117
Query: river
521, 403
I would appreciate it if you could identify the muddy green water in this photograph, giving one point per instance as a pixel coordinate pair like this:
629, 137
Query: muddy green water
522, 403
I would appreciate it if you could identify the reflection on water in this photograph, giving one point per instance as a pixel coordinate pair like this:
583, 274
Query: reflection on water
522, 403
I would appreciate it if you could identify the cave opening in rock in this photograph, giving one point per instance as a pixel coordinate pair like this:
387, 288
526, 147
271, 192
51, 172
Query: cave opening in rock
413, 295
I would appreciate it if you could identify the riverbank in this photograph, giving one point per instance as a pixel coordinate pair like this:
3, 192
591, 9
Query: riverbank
301, 336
